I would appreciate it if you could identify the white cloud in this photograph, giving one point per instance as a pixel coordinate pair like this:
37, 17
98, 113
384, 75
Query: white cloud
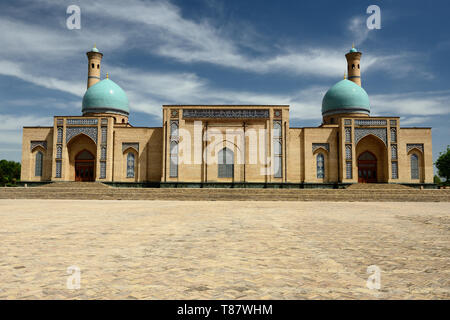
357, 26
12, 122
159, 27
148, 91
408, 121
10, 68
412, 103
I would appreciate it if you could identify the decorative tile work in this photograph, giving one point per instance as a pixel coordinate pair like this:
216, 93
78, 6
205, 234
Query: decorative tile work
130, 165
173, 170
102, 170
134, 145
59, 137
348, 122
104, 121
393, 134
226, 113
173, 159
58, 151
316, 146
58, 168
360, 122
277, 143
378, 132
59, 122
411, 146
348, 134
82, 121
38, 164
34, 144
320, 166
277, 113
103, 153
348, 170
91, 132
104, 134
394, 170
393, 123
394, 153
174, 113
348, 152
414, 166
277, 129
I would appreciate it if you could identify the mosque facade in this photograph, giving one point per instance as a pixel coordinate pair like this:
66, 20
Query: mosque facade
227, 145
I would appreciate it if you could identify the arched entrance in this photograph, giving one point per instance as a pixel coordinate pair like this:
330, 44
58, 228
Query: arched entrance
367, 167
84, 166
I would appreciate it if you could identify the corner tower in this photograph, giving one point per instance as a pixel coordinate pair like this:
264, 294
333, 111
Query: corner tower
95, 60
353, 65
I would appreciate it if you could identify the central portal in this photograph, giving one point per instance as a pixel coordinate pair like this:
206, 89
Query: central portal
367, 167
84, 166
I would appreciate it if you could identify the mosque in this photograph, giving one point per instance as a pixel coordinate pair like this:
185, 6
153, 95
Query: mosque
227, 145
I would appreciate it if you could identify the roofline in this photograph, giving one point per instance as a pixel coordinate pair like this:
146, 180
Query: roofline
380, 117
225, 105
132, 127
416, 127
34, 127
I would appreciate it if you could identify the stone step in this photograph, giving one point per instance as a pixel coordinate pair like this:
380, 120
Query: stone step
225, 194
75, 184
378, 186
222, 191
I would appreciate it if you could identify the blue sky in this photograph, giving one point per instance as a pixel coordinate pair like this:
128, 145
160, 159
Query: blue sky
231, 52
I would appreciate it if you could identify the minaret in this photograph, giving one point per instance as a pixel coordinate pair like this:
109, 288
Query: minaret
353, 69
95, 59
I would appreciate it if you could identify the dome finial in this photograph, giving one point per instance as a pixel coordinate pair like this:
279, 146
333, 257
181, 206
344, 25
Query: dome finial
353, 44
107, 75
345, 75
95, 46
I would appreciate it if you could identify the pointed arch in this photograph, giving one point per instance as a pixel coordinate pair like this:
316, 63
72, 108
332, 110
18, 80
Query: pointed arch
78, 135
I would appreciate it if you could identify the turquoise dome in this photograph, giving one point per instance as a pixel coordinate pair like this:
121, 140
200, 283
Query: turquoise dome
345, 97
105, 97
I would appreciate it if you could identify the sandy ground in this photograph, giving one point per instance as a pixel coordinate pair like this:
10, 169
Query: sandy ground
223, 250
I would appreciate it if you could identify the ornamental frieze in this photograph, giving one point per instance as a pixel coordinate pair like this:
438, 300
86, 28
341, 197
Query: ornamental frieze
81, 121
226, 113
360, 122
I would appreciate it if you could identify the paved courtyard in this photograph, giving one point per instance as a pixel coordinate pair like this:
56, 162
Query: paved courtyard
223, 250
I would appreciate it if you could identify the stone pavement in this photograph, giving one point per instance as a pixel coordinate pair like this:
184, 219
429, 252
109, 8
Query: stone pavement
223, 250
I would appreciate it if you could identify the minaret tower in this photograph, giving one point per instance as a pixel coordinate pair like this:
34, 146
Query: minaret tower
95, 59
353, 69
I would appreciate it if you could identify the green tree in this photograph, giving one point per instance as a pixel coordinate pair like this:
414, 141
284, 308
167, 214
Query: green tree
9, 172
437, 180
443, 165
